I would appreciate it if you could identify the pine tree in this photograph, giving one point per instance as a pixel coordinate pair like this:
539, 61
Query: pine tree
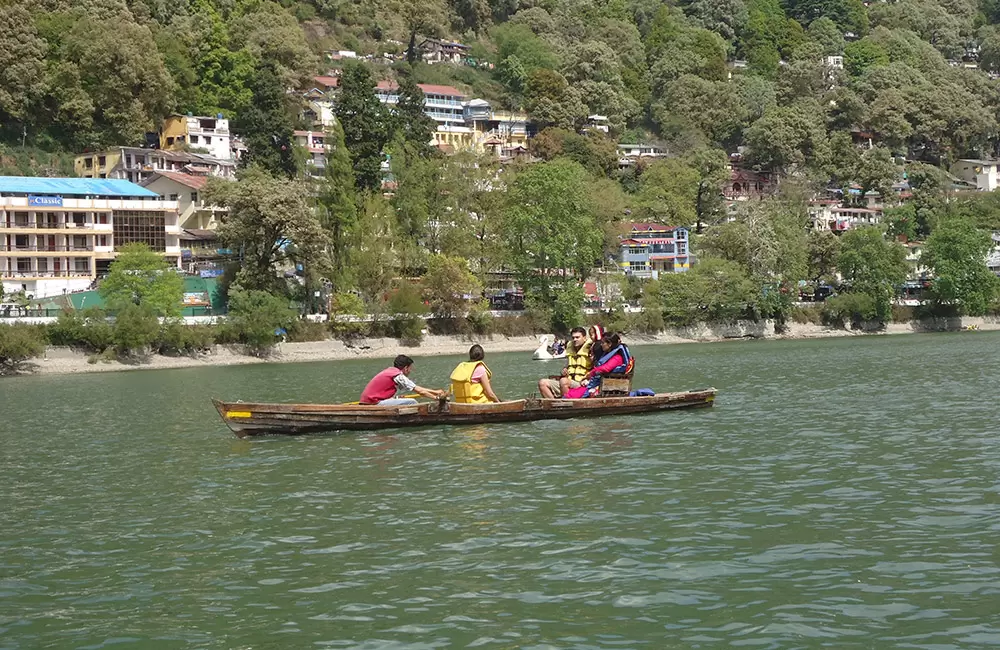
412, 122
337, 199
266, 126
367, 124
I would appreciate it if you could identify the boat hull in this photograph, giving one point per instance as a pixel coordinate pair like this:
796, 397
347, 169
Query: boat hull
249, 419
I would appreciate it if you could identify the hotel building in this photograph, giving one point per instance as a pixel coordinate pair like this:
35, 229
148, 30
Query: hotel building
60, 234
650, 249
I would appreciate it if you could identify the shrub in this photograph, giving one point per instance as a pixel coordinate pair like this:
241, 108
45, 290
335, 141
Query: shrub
135, 330
18, 343
87, 329
811, 314
176, 338
351, 306
254, 319
306, 330
479, 319
903, 313
853, 307
515, 326
406, 308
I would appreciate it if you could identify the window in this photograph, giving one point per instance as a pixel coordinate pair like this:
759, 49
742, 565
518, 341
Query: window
23, 264
80, 242
173, 197
194, 197
21, 242
81, 264
208, 139
170, 140
128, 160
139, 226
194, 139
88, 163
101, 161
79, 219
102, 240
102, 217
43, 265
637, 266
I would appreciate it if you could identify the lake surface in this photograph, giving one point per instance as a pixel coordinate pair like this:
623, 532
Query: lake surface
842, 493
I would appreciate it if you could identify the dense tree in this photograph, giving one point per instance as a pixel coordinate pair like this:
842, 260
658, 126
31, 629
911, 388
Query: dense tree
715, 290
412, 123
266, 127
872, 266
822, 254
22, 64
338, 209
549, 225
269, 221
957, 251
448, 285
668, 193
712, 167
141, 276
367, 124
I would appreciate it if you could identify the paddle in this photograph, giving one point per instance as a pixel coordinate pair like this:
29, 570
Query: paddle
410, 396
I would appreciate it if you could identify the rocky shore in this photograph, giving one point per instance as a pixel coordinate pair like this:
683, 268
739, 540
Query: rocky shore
67, 361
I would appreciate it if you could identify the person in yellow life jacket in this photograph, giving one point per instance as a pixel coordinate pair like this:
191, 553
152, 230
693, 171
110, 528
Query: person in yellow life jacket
470, 380
578, 364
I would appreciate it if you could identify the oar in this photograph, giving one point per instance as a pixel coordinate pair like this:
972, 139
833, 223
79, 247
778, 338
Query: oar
410, 396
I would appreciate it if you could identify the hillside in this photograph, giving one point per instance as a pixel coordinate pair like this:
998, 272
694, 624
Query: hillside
85, 74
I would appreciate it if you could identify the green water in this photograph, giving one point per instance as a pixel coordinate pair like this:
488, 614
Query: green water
842, 493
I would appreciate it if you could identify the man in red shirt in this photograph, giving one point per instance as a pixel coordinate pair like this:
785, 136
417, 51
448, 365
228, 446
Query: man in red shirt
381, 390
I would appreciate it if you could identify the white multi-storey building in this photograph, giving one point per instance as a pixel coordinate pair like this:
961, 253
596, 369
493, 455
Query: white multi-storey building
59, 234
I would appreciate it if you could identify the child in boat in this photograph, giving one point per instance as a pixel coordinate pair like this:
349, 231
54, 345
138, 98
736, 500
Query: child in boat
470, 381
613, 357
381, 390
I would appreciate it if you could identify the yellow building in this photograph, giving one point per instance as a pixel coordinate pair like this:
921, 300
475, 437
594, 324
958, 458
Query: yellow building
210, 134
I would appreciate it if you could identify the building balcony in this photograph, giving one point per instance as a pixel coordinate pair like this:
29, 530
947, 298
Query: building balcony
15, 225
41, 275
45, 249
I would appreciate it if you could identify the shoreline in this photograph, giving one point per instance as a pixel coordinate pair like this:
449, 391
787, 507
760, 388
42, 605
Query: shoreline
66, 361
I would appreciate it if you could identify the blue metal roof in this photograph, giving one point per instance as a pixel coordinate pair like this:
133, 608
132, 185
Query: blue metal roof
96, 187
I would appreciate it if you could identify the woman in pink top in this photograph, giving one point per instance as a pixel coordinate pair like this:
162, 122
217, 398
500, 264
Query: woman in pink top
608, 364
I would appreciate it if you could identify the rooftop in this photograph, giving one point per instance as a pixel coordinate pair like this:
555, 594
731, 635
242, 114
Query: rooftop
189, 180
99, 187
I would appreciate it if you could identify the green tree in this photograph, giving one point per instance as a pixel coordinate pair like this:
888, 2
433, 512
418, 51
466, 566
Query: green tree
712, 166
256, 317
713, 291
825, 33
446, 285
266, 127
787, 137
415, 126
224, 76
366, 122
668, 192
957, 251
18, 343
135, 329
123, 78
727, 18
550, 101
337, 199
265, 217
823, 251
22, 64
549, 224
141, 276
872, 266
862, 55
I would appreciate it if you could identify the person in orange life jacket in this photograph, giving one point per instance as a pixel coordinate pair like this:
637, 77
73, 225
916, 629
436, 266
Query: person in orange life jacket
470, 381
382, 388
614, 357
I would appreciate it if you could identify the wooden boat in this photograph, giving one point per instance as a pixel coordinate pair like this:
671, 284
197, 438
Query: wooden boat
249, 419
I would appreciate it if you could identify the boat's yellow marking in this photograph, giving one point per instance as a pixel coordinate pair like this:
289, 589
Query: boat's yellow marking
239, 414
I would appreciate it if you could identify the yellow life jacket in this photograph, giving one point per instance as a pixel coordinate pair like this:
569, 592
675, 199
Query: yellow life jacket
466, 391
578, 361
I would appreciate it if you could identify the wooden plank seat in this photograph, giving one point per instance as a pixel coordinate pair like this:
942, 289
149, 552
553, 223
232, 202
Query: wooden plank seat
616, 383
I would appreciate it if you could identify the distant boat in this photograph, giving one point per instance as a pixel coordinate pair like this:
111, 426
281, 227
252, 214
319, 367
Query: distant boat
249, 419
544, 352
